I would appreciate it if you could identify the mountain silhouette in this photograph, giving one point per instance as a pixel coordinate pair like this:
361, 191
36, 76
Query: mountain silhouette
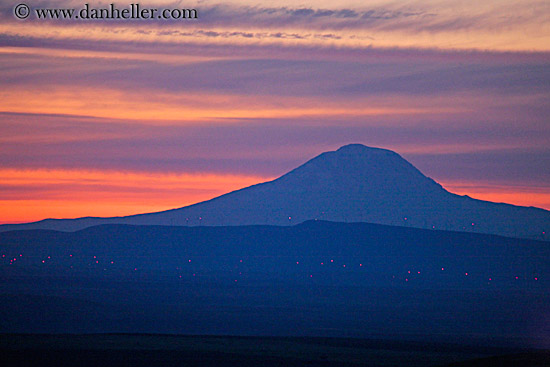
352, 184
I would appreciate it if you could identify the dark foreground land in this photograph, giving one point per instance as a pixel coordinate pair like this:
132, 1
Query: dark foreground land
372, 295
174, 350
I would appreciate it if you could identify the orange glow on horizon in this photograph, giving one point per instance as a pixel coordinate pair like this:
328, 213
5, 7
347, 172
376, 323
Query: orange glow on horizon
41, 194
392, 75
522, 196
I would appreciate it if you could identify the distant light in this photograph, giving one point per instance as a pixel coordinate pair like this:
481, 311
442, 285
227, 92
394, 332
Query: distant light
189, 260
360, 264
297, 262
406, 279
409, 271
344, 265
536, 278
322, 264
442, 269
517, 278
241, 261
311, 276
466, 273
331, 261
418, 272
20, 255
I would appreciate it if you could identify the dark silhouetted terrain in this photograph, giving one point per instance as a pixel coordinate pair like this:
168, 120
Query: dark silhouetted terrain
313, 279
353, 184
174, 350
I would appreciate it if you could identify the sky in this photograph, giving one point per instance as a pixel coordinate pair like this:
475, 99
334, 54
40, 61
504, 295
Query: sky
118, 117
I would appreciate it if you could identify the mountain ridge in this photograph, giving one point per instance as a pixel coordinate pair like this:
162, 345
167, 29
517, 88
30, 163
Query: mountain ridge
354, 183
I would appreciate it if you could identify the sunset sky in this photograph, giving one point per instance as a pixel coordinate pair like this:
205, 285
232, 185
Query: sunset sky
118, 117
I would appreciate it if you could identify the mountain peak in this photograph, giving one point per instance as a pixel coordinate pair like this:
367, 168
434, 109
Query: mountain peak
356, 162
354, 183
361, 149
370, 155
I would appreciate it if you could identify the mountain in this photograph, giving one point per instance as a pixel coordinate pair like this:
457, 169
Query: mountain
353, 184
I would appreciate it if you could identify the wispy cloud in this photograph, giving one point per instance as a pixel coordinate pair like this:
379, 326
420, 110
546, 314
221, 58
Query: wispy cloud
246, 78
250, 91
496, 25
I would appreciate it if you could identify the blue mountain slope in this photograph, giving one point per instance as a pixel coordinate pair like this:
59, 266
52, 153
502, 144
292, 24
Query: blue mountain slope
353, 184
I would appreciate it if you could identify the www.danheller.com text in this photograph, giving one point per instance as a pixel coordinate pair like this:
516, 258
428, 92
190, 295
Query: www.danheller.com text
112, 11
